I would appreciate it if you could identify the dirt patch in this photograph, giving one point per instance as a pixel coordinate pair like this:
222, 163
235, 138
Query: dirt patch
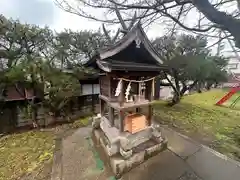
43, 173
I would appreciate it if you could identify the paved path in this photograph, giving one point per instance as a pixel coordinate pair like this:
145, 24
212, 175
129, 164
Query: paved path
79, 158
183, 160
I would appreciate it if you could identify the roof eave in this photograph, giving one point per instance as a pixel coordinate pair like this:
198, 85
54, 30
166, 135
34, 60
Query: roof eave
105, 68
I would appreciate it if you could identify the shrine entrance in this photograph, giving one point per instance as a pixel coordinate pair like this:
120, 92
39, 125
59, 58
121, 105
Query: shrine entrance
124, 128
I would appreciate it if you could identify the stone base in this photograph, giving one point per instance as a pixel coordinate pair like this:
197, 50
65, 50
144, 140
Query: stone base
141, 153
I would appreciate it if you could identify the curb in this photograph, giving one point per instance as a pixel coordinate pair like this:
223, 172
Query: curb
216, 153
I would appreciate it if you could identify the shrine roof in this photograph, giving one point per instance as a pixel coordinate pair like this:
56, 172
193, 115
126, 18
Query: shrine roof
133, 52
134, 35
113, 65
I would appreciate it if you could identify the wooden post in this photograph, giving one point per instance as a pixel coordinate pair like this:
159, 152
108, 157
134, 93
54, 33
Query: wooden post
121, 120
101, 106
109, 86
157, 88
138, 110
111, 115
93, 109
148, 90
150, 115
100, 85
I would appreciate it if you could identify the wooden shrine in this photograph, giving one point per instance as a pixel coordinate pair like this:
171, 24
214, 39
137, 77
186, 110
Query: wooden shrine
124, 127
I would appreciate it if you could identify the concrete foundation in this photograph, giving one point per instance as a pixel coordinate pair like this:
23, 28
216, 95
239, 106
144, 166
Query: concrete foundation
136, 155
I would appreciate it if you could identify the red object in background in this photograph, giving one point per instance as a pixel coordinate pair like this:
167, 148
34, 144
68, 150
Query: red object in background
228, 95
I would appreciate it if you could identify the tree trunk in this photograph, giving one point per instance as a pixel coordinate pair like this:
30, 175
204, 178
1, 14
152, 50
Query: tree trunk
176, 79
209, 85
34, 115
192, 85
184, 89
224, 21
176, 88
175, 100
199, 87
177, 95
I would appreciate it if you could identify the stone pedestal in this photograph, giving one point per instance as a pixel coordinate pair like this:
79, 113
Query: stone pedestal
125, 150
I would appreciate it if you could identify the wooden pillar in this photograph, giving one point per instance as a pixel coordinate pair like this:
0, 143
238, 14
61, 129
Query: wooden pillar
81, 88
93, 104
138, 110
148, 90
121, 120
111, 115
157, 88
150, 111
109, 86
101, 104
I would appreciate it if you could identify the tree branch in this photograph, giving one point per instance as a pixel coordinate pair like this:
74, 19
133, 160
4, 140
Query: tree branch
225, 22
185, 27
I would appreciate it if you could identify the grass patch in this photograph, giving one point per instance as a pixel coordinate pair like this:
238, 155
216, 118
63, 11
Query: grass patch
79, 123
197, 116
24, 153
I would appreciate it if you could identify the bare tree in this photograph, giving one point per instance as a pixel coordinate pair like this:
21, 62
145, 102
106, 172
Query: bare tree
207, 16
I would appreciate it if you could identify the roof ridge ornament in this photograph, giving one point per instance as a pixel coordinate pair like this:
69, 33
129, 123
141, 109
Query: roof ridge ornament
138, 42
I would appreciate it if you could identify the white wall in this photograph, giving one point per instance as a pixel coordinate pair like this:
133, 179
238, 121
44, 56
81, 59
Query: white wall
166, 93
87, 89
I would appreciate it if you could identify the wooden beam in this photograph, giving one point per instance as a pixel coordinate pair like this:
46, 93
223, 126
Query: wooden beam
135, 74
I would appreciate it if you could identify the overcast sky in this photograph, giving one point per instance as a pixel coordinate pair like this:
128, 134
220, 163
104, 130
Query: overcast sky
45, 12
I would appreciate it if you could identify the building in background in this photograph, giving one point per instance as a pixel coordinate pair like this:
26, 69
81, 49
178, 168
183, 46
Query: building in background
234, 65
234, 72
